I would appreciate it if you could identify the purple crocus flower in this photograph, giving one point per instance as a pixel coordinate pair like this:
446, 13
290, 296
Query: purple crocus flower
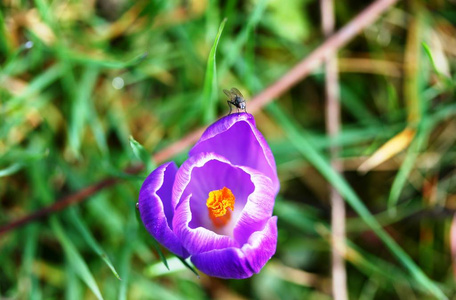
217, 207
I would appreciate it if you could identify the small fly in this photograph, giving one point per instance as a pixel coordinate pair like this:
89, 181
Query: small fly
236, 99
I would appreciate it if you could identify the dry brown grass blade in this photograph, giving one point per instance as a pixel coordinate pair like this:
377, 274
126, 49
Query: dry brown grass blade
34, 23
132, 21
392, 147
371, 66
299, 277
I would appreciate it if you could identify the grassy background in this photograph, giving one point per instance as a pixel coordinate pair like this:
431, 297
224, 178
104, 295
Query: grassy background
78, 78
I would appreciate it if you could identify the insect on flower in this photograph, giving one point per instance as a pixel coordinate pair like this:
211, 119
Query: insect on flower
236, 99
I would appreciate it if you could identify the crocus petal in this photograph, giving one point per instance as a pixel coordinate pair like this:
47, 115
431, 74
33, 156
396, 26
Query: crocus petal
238, 263
156, 209
193, 192
258, 209
236, 138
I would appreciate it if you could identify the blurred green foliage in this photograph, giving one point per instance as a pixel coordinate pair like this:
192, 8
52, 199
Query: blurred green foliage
91, 88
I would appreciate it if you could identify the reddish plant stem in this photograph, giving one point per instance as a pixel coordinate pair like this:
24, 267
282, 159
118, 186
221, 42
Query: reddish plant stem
69, 200
316, 58
296, 74
63, 203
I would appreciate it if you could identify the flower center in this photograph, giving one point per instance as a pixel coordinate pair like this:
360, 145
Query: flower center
218, 203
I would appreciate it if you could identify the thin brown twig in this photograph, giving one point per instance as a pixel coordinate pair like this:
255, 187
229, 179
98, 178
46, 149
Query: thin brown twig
316, 58
339, 273
69, 200
63, 203
297, 73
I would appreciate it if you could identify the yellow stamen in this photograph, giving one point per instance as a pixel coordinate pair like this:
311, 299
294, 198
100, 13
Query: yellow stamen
218, 203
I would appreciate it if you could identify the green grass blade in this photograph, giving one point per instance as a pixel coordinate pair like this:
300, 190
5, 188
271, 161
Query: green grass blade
106, 63
407, 166
210, 80
233, 52
159, 291
72, 289
446, 112
424, 129
75, 259
125, 266
11, 169
14, 65
80, 108
157, 269
90, 240
4, 47
353, 104
38, 84
304, 219
23, 156
97, 129
189, 266
385, 218
372, 265
131, 242
299, 141
30, 253
448, 81
142, 154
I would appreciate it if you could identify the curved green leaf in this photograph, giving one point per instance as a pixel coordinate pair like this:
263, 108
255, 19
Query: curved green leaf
210, 81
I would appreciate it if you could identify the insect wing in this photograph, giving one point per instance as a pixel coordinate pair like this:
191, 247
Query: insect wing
236, 92
229, 94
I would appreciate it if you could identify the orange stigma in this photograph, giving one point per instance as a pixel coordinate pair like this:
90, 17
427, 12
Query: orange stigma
218, 203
